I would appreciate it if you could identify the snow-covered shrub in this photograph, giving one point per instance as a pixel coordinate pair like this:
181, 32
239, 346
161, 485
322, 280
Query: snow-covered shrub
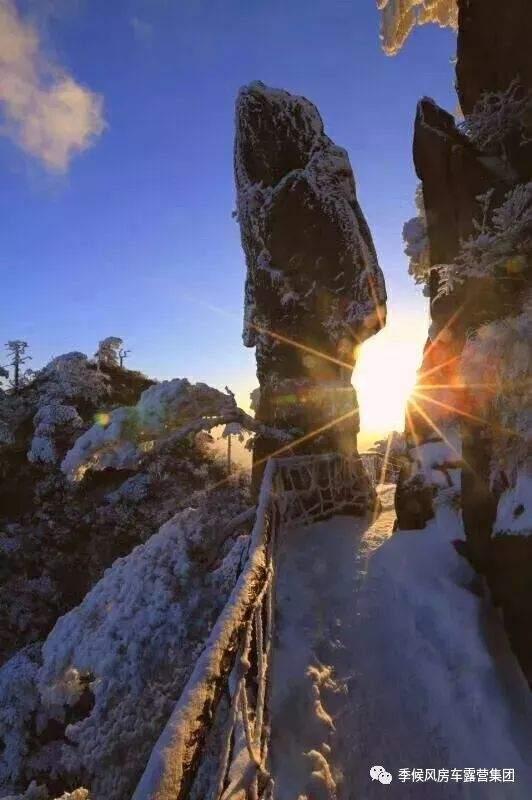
69, 377
497, 363
499, 115
119, 438
134, 640
133, 490
438, 464
70, 532
72, 376
31, 598
18, 703
394, 444
61, 395
49, 421
502, 243
416, 241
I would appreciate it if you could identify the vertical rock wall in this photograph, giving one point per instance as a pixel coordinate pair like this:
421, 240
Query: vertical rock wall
314, 289
475, 376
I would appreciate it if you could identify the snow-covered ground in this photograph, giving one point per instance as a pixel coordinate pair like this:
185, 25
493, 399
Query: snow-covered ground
387, 654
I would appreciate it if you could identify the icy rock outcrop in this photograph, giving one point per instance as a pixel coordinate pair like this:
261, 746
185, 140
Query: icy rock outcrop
476, 366
314, 289
493, 47
494, 50
452, 175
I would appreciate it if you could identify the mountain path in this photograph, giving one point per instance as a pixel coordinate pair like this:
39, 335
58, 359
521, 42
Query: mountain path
382, 656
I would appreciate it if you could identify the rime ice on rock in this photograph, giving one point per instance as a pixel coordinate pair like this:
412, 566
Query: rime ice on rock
314, 289
477, 193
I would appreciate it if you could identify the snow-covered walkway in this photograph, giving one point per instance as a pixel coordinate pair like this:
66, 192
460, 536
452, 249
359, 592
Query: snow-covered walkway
385, 654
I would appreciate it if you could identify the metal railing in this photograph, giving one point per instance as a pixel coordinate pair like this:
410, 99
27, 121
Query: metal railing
381, 468
215, 744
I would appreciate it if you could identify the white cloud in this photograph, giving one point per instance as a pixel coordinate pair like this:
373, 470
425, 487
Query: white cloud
46, 111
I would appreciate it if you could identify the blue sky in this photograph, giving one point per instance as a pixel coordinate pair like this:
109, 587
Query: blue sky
136, 239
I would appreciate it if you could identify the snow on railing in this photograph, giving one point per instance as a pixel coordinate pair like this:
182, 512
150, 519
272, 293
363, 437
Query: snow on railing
381, 468
215, 744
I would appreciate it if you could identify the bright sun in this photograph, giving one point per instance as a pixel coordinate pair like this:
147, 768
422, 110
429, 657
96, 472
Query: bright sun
384, 378
385, 375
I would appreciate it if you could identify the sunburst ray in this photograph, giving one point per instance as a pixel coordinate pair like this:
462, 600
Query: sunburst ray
300, 346
467, 415
436, 429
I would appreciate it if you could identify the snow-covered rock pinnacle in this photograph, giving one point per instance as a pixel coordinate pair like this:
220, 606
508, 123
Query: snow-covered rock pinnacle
314, 289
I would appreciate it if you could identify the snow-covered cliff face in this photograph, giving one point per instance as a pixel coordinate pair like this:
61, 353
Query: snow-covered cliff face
314, 289
476, 369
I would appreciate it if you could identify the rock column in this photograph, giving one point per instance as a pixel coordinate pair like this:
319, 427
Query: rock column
314, 289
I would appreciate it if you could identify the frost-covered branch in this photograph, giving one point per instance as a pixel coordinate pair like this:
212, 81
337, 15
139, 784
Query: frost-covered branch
165, 415
502, 245
400, 17
237, 417
416, 241
498, 115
